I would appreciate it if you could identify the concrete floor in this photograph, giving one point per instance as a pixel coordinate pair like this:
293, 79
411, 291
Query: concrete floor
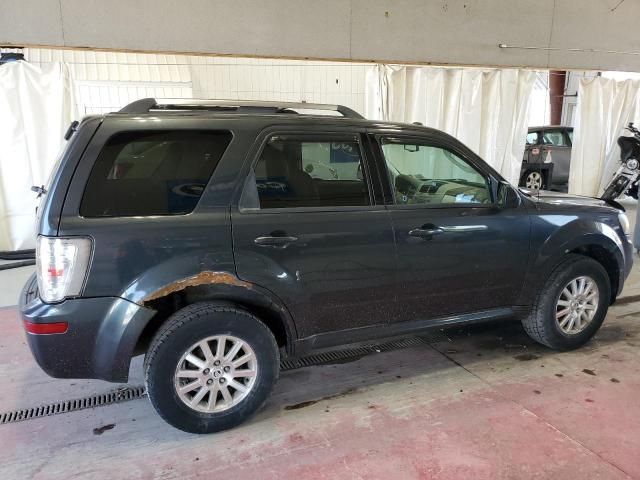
477, 402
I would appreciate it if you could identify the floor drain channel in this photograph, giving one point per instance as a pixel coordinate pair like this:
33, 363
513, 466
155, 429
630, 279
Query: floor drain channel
337, 355
66, 406
131, 393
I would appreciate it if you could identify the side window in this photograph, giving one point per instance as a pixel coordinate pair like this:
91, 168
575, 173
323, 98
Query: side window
152, 173
424, 174
302, 172
532, 138
555, 138
570, 135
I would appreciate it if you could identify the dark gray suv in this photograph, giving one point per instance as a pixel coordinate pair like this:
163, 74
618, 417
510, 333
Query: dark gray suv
219, 237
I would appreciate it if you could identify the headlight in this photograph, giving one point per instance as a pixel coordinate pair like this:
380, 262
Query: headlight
61, 266
632, 164
624, 223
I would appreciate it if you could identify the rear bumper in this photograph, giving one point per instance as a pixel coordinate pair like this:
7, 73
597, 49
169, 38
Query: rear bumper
100, 339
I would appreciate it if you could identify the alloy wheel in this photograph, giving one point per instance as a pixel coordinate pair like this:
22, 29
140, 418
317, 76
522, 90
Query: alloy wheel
577, 305
534, 181
216, 373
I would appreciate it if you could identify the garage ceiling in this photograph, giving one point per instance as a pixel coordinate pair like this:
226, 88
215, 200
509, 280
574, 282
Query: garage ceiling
543, 33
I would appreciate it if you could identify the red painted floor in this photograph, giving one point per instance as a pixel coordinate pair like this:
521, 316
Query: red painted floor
486, 403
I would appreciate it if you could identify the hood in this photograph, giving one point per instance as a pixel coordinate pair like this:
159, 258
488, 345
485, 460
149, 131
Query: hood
565, 199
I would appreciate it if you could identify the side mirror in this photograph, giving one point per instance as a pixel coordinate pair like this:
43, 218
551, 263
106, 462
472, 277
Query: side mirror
508, 196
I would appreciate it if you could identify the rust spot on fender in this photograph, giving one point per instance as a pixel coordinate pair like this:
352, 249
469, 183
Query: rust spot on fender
202, 278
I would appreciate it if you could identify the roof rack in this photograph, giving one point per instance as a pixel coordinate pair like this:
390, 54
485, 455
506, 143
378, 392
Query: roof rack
147, 105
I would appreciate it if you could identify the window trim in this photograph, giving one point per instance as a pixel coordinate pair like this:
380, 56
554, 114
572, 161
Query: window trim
437, 143
310, 135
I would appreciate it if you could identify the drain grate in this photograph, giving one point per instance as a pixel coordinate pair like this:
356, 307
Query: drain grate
131, 393
66, 406
337, 355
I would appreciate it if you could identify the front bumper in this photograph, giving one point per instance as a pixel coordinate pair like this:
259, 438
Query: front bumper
99, 342
628, 263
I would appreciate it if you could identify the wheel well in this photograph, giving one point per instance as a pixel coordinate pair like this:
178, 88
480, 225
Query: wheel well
607, 260
169, 304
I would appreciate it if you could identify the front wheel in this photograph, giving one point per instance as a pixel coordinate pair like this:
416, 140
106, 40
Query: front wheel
572, 304
210, 367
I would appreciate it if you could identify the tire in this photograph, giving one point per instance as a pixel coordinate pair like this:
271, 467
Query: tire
165, 365
537, 183
541, 323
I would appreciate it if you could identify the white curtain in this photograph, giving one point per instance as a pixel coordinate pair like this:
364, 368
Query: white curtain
605, 106
36, 107
486, 109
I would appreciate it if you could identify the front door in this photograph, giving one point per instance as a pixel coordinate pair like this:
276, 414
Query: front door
459, 252
308, 229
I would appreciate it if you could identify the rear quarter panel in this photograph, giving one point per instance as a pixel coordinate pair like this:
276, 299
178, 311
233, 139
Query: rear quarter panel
51, 204
135, 256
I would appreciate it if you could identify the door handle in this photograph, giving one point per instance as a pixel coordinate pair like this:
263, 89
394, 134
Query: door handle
280, 241
426, 232
465, 228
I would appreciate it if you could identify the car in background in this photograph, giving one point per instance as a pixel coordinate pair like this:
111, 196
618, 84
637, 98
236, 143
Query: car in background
547, 158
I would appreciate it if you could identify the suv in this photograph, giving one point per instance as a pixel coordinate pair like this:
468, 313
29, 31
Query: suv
217, 238
547, 159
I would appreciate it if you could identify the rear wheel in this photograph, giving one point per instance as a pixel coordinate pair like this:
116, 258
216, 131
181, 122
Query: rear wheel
534, 180
210, 367
572, 304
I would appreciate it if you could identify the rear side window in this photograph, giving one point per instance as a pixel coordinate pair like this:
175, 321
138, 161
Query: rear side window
532, 138
152, 173
555, 138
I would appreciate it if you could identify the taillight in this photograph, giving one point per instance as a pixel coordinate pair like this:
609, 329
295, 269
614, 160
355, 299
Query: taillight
61, 265
46, 328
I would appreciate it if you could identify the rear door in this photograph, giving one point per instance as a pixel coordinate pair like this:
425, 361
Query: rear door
310, 227
532, 147
556, 149
459, 252
531, 175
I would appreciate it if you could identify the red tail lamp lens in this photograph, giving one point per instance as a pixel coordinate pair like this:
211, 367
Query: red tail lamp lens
46, 328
